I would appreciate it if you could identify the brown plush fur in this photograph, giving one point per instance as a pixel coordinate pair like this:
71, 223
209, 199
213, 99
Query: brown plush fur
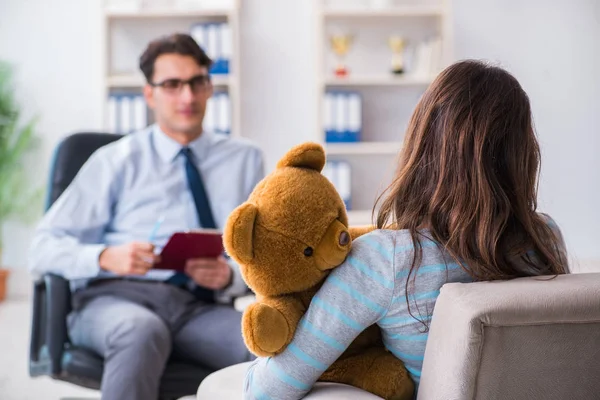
287, 237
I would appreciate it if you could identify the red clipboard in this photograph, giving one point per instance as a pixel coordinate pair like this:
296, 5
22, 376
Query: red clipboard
183, 246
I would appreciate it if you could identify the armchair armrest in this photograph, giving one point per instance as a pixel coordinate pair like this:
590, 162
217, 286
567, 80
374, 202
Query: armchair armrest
51, 305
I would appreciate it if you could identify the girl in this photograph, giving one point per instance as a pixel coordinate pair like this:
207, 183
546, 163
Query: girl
464, 204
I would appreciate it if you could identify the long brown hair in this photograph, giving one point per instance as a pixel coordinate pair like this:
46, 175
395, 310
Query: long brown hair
468, 172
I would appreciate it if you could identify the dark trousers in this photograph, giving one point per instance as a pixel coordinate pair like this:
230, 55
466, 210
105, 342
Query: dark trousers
137, 325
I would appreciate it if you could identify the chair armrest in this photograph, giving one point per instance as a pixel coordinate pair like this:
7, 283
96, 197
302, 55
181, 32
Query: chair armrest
218, 386
51, 305
519, 339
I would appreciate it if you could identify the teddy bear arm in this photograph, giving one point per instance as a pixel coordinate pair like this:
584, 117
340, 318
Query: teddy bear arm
357, 231
375, 370
269, 325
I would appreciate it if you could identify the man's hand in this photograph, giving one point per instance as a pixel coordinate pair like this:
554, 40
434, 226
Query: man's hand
134, 258
211, 273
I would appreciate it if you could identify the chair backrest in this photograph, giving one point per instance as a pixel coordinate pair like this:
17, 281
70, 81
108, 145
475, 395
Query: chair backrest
528, 338
70, 155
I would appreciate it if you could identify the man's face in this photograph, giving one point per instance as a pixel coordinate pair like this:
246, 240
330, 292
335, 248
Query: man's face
179, 108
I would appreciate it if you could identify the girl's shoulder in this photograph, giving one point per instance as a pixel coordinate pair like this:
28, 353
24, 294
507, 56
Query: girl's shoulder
388, 239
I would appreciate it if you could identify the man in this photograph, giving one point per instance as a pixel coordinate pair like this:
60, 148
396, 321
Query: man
172, 176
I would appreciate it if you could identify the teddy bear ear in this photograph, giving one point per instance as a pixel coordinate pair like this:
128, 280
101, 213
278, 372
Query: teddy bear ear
306, 155
238, 234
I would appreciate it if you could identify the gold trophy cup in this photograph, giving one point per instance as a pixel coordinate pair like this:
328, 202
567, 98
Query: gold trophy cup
397, 44
340, 43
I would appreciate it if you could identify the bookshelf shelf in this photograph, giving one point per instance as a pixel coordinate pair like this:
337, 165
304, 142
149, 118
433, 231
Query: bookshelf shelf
170, 13
392, 12
378, 80
363, 148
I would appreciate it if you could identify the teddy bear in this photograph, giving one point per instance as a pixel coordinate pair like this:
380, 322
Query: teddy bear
287, 237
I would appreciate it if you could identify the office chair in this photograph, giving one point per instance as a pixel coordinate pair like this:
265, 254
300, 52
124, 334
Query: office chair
51, 352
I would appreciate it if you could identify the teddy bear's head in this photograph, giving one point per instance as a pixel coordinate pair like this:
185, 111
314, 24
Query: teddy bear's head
293, 229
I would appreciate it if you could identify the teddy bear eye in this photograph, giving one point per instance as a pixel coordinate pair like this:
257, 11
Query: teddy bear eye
308, 251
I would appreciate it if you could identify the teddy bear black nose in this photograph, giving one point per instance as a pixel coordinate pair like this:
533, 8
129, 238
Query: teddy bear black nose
344, 238
308, 251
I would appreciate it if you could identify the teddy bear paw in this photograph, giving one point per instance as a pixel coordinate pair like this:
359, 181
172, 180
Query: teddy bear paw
265, 330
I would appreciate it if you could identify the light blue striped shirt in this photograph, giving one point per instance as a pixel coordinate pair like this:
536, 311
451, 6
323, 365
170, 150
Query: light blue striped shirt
368, 288
125, 187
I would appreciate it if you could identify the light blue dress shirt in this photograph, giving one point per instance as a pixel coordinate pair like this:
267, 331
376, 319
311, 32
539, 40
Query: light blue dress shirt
125, 187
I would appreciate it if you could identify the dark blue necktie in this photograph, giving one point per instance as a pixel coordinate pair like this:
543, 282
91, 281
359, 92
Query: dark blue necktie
205, 218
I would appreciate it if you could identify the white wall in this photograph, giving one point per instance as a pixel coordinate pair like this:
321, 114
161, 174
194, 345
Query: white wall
54, 47
550, 46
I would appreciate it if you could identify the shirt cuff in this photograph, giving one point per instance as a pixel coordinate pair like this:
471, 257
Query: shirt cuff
236, 288
88, 262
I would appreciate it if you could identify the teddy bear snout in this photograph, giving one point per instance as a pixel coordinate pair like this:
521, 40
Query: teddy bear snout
344, 238
333, 247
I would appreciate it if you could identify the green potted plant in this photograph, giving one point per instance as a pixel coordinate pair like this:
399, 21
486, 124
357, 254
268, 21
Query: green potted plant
17, 198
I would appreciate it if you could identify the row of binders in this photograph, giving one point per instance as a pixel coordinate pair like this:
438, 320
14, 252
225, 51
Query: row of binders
342, 116
339, 174
217, 42
217, 117
127, 112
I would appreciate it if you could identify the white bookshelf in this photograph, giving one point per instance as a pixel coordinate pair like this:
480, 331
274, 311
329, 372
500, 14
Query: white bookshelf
126, 33
387, 99
378, 80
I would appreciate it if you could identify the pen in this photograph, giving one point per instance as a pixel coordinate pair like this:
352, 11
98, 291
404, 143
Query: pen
155, 228
157, 225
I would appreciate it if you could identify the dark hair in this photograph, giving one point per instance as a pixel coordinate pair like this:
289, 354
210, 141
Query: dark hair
468, 172
177, 43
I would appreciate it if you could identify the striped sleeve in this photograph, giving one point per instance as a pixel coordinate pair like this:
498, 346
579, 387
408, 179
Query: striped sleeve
356, 295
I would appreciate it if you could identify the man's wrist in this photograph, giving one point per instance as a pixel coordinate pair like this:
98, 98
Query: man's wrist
103, 258
230, 282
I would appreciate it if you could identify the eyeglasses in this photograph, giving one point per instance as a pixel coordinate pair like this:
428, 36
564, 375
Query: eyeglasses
197, 83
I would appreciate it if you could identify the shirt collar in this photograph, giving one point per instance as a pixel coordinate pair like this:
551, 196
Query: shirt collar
168, 149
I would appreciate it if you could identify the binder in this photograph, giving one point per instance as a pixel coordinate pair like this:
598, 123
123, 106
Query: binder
212, 47
140, 113
224, 110
216, 40
328, 171
340, 175
342, 119
328, 117
345, 184
113, 109
354, 118
198, 33
226, 47
209, 123
125, 114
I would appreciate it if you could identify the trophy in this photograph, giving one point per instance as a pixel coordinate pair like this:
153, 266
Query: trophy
340, 44
397, 44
